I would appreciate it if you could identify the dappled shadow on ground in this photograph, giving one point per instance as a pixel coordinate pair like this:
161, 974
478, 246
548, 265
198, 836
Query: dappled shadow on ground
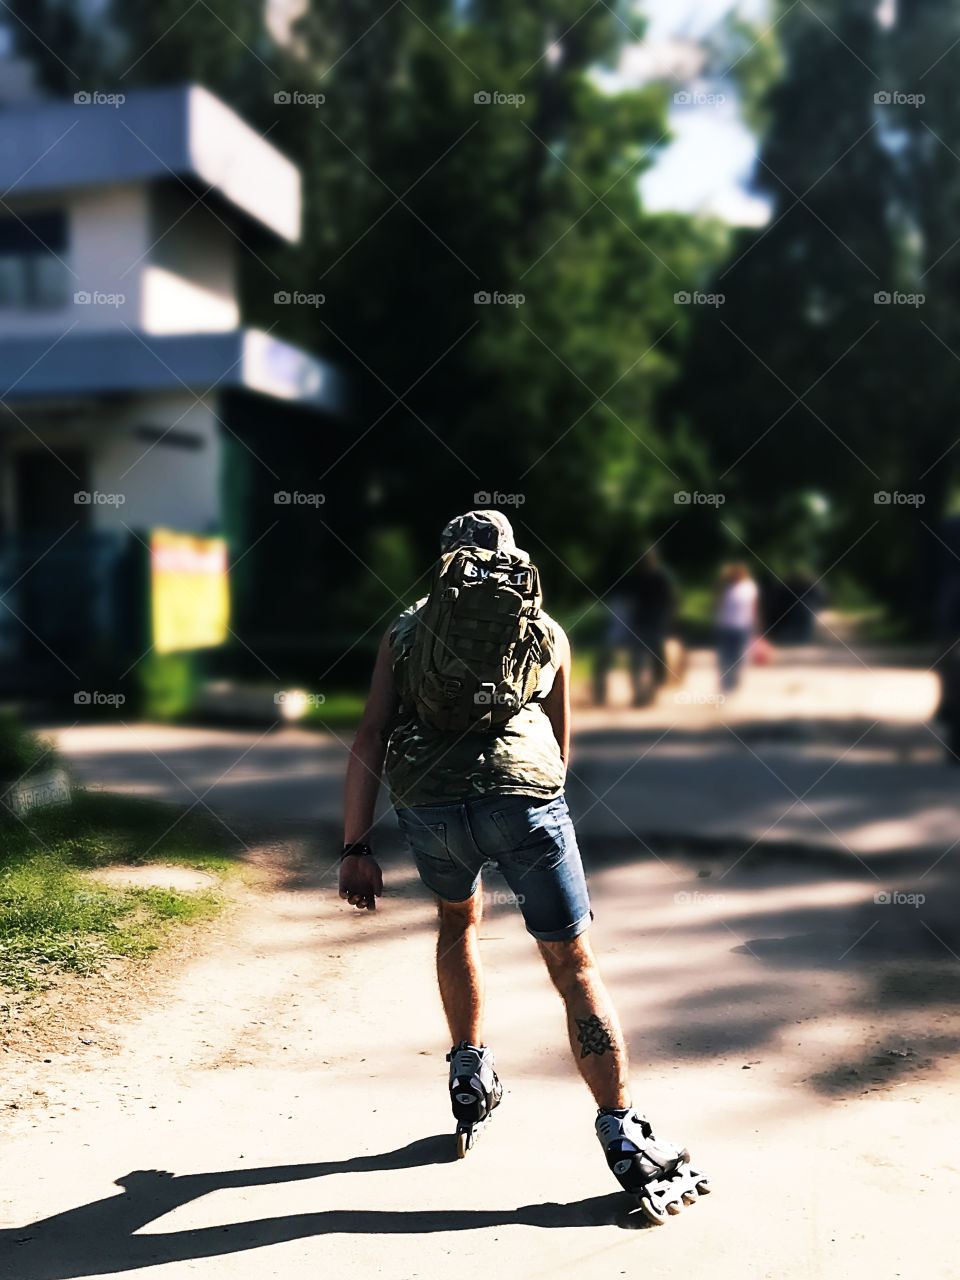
718, 946
716, 951
857, 790
272, 773
100, 1237
835, 731
782, 955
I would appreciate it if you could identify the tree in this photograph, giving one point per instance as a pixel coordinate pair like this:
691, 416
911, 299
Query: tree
552, 399
821, 372
924, 58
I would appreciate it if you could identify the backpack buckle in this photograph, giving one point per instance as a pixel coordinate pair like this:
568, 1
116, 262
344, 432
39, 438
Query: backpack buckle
450, 593
450, 688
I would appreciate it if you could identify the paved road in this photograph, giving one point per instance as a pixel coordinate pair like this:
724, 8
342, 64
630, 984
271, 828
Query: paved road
793, 1018
829, 749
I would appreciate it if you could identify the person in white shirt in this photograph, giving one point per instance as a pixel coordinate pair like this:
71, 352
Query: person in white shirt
736, 622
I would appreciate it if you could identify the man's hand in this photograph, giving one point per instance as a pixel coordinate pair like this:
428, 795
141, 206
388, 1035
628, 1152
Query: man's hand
361, 881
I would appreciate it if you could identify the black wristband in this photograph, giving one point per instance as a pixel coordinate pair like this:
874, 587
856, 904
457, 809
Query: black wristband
357, 849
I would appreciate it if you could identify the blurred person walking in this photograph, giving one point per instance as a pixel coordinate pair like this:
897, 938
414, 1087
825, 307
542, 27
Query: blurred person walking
469, 717
653, 597
736, 622
618, 637
641, 615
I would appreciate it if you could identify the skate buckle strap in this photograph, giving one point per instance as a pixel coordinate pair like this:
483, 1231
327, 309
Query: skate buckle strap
609, 1126
465, 1047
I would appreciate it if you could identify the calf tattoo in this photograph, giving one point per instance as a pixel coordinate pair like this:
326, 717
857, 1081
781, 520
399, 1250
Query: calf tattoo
594, 1035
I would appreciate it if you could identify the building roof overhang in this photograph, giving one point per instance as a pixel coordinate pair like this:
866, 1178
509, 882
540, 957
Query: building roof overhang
126, 362
180, 133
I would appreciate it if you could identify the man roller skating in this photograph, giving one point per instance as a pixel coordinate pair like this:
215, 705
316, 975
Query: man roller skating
469, 717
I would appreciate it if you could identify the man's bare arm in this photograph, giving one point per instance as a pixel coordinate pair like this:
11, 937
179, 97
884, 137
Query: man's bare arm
360, 880
557, 702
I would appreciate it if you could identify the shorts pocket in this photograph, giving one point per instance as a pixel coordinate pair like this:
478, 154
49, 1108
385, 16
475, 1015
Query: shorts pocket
532, 833
428, 843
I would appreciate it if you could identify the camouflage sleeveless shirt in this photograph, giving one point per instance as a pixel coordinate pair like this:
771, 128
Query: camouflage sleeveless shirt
427, 766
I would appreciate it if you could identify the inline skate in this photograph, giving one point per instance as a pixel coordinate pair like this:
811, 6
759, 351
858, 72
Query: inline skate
474, 1091
658, 1173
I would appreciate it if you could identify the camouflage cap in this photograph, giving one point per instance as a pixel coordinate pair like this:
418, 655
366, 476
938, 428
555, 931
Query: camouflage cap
487, 529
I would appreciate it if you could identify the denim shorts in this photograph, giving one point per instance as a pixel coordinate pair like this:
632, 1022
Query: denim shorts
530, 841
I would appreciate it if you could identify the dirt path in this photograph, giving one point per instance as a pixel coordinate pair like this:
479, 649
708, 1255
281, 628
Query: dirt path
274, 1104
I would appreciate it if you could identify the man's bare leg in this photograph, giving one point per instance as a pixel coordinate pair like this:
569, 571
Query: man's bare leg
657, 1172
459, 971
592, 1023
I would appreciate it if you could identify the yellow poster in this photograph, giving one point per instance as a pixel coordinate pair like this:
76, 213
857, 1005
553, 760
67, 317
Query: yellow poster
189, 591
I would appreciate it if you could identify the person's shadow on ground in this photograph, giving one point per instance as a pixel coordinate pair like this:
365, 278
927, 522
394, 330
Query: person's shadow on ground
99, 1237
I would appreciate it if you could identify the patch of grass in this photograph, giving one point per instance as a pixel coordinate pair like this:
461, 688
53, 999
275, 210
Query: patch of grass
53, 917
878, 626
340, 710
581, 669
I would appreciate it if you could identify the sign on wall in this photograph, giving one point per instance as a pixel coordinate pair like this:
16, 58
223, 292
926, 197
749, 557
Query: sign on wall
38, 791
189, 591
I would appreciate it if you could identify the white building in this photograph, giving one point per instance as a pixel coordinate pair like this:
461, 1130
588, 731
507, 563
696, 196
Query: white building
125, 371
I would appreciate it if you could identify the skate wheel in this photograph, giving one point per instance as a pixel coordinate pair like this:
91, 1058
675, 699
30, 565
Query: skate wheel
704, 1187
463, 1144
689, 1197
674, 1207
654, 1214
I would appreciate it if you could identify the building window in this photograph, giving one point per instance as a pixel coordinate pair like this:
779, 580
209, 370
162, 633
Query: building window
32, 271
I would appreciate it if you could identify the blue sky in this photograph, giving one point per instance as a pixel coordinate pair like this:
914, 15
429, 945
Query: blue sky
694, 17
708, 165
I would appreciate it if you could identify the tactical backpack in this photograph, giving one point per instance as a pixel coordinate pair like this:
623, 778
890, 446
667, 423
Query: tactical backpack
479, 643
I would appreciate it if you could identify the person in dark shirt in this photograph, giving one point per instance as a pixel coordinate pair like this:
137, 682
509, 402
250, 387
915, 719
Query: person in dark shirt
650, 589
